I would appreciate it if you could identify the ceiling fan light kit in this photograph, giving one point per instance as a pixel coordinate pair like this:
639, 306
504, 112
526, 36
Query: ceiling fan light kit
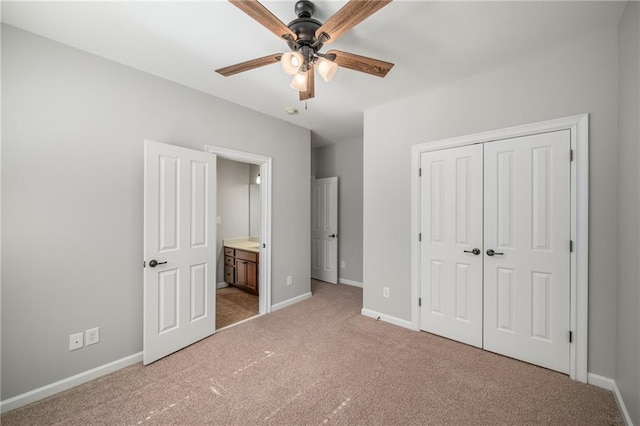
326, 68
299, 82
292, 62
305, 37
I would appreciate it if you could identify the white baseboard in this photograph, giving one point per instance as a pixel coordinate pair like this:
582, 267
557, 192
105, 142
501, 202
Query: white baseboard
349, 282
290, 301
222, 284
600, 381
623, 408
387, 318
611, 385
68, 383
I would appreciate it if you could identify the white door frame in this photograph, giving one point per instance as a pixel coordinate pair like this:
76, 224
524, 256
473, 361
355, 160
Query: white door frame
265, 229
579, 270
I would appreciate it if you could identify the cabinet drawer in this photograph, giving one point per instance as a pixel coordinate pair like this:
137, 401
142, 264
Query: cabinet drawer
247, 255
228, 251
228, 274
228, 261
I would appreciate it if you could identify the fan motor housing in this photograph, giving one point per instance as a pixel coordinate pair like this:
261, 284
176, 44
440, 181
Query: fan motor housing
305, 26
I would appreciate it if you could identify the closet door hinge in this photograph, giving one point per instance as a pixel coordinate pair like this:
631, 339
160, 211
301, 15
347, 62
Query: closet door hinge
420, 236
420, 171
144, 264
419, 301
570, 336
570, 155
571, 246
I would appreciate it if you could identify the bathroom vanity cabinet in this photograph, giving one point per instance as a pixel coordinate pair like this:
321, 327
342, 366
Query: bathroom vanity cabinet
241, 269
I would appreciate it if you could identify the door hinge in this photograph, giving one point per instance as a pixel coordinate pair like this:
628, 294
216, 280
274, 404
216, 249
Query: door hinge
420, 236
419, 301
570, 336
144, 264
570, 155
420, 171
571, 246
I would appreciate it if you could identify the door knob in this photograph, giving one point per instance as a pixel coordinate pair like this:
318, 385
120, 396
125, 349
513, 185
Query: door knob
332, 236
153, 263
490, 252
475, 251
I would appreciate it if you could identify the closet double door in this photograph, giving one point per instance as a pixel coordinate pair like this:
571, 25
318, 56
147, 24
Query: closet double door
495, 250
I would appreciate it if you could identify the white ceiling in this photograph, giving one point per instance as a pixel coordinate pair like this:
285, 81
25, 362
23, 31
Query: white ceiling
431, 43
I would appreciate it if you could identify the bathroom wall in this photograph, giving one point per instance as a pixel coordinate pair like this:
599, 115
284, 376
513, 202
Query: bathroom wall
255, 203
233, 206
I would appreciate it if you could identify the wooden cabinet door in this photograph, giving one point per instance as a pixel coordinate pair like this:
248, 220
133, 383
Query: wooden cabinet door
252, 275
241, 272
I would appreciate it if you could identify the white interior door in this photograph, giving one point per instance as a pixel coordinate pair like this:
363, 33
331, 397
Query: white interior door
451, 249
179, 248
526, 281
324, 229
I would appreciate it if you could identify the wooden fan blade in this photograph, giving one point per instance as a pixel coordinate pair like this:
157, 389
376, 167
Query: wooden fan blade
361, 63
310, 92
249, 65
264, 17
350, 15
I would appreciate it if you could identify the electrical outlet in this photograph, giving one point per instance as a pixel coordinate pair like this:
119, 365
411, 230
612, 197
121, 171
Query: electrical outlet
92, 336
289, 280
343, 264
385, 291
75, 341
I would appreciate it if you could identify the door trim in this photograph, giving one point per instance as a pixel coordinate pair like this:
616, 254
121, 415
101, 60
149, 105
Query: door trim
265, 232
578, 125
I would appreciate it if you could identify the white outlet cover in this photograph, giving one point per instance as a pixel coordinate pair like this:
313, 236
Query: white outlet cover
76, 341
385, 291
92, 336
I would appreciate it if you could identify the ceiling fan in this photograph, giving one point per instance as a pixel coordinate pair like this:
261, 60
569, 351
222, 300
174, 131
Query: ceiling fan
305, 37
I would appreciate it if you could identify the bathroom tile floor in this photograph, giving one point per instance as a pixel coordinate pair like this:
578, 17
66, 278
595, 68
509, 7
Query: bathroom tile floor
233, 305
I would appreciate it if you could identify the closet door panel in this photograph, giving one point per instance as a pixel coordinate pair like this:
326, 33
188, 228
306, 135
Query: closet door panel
451, 220
527, 225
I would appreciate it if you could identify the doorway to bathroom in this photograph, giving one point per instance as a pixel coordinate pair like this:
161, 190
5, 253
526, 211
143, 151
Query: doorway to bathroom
238, 245
242, 220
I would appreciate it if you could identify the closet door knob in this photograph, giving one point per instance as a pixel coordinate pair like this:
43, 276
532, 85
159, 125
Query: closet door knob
153, 263
475, 251
490, 252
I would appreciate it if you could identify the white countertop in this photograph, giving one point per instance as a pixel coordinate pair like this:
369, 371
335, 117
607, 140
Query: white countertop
243, 244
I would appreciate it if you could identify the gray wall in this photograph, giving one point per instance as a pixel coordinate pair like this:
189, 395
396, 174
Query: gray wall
628, 342
232, 207
577, 77
344, 159
255, 203
72, 186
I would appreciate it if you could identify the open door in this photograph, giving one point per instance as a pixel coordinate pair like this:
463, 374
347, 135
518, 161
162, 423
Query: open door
179, 248
324, 229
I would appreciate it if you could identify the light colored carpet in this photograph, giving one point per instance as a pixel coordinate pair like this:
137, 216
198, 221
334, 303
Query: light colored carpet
320, 362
